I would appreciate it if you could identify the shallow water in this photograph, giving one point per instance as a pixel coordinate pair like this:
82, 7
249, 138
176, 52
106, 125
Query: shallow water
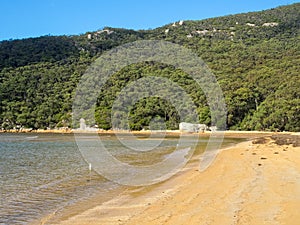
44, 173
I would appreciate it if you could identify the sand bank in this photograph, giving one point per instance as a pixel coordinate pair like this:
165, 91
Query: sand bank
254, 182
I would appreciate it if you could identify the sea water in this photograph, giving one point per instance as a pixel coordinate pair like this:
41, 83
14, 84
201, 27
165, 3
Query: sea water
41, 174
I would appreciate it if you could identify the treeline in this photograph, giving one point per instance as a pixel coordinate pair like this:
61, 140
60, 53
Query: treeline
16, 53
255, 57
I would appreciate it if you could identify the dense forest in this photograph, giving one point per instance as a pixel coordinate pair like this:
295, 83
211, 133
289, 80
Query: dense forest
254, 56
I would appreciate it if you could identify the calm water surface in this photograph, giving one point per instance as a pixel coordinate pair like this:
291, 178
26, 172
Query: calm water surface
44, 173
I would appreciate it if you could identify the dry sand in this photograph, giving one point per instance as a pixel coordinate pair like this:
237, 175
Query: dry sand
254, 182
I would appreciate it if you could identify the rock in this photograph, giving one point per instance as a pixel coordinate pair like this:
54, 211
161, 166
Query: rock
191, 127
273, 24
250, 24
82, 124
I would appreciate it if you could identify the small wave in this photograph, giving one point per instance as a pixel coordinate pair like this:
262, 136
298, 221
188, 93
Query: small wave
31, 137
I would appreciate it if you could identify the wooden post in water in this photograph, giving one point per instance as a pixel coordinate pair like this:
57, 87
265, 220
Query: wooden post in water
90, 171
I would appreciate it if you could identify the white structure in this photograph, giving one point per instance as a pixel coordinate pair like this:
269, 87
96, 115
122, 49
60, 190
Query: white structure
167, 31
174, 24
181, 22
189, 36
89, 36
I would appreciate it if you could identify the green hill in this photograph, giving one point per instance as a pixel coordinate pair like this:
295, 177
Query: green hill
255, 57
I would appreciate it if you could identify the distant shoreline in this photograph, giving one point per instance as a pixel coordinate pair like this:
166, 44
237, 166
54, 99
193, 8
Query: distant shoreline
228, 133
68, 131
249, 135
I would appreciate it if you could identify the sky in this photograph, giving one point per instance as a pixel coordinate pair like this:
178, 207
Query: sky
33, 18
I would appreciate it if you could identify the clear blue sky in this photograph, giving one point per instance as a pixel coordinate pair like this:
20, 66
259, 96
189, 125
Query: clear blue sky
32, 18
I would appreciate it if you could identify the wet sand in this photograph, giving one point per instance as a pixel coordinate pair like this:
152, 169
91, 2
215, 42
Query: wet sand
254, 182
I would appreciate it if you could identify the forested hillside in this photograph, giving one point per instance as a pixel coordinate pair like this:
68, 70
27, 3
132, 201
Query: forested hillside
255, 57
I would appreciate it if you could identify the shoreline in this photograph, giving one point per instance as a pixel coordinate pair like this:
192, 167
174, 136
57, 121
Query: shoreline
168, 133
148, 205
147, 132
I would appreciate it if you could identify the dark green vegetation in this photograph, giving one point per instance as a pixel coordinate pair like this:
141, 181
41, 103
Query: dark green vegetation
255, 57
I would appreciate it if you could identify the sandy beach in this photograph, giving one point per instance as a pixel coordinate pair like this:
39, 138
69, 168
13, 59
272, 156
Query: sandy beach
254, 182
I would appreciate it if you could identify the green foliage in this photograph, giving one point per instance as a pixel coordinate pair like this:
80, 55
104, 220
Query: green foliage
152, 109
146, 109
39, 95
257, 68
16, 53
280, 111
